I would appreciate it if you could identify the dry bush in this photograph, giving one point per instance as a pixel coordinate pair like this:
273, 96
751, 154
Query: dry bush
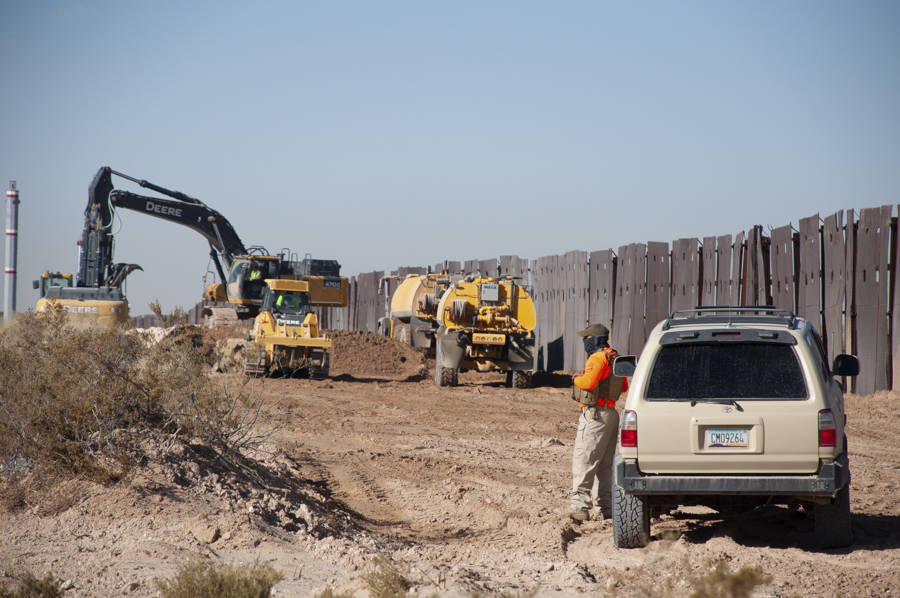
82, 399
29, 586
722, 583
386, 581
199, 579
178, 315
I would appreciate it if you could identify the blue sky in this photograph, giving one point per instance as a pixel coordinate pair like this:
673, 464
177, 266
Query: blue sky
403, 133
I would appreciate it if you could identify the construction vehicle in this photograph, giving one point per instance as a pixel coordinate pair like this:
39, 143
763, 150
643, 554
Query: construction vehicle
412, 309
286, 330
242, 271
96, 295
485, 324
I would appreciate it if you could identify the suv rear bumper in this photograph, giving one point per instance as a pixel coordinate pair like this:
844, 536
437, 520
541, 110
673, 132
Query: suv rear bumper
831, 478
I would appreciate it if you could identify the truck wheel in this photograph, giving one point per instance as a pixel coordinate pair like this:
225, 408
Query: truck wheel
521, 379
448, 376
832, 521
631, 519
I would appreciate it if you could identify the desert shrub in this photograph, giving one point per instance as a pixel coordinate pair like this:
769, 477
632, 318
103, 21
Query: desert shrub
386, 581
81, 399
203, 579
722, 583
27, 585
178, 315
329, 593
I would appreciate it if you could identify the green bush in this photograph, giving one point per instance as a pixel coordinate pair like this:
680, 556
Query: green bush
81, 399
199, 579
386, 581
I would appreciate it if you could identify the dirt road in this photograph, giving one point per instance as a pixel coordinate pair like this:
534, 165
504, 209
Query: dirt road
464, 488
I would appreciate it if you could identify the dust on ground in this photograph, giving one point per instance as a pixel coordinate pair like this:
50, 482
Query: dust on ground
464, 488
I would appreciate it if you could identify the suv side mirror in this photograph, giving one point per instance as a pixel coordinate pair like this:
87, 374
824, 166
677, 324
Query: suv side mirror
624, 365
845, 365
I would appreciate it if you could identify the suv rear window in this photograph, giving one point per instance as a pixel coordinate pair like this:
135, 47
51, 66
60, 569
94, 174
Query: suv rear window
726, 371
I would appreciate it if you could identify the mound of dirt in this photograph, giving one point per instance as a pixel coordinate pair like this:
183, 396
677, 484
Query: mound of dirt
364, 354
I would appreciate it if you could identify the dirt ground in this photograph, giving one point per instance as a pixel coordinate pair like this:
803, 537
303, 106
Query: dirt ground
464, 489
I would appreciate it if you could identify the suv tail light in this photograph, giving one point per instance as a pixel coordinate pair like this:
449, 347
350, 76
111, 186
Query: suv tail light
629, 429
827, 432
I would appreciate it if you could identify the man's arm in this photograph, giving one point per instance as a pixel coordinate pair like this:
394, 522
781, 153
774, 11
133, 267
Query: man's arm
596, 369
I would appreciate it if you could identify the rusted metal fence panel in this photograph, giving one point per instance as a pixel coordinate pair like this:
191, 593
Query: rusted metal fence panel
576, 306
658, 286
755, 283
449, 266
737, 269
404, 271
628, 318
871, 286
708, 271
548, 342
602, 283
809, 272
782, 254
369, 304
513, 265
724, 283
488, 268
685, 274
834, 270
470, 266
895, 306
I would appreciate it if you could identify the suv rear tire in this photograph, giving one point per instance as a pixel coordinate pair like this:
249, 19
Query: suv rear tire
630, 518
832, 521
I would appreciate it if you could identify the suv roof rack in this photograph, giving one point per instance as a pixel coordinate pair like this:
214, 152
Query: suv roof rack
744, 314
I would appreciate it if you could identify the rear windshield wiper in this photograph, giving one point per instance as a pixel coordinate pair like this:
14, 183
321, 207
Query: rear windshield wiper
719, 401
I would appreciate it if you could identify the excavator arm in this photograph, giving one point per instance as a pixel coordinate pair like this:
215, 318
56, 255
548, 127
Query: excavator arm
182, 209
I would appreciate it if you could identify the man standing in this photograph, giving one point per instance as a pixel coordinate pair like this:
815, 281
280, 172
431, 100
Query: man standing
596, 391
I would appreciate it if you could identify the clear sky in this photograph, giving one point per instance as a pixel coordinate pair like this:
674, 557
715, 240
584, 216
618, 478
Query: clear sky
384, 134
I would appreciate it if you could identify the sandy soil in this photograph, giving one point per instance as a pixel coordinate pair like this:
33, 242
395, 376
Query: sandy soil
465, 489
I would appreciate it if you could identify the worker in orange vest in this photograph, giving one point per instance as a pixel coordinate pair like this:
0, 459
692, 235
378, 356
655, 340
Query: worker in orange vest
596, 391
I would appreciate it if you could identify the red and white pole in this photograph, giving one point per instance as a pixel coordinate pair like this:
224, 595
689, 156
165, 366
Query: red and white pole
12, 225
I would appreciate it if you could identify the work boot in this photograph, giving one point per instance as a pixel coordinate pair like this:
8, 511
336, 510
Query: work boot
579, 515
602, 513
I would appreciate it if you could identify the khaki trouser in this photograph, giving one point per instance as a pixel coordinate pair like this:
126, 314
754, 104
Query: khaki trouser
592, 457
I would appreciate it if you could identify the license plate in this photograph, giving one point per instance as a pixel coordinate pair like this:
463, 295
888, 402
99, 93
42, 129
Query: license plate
727, 438
487, 338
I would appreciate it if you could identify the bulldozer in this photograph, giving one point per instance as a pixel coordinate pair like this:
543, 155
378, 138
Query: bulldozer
485, 325
412, 313
285, 334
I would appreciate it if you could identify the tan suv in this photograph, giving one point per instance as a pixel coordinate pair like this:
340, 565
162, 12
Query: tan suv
731, 408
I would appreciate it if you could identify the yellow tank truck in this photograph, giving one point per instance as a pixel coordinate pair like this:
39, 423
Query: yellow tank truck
412, 317
486, 325
286, 330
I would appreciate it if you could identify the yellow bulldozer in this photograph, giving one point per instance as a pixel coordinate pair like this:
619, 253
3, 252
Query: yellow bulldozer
486, 325
285, 334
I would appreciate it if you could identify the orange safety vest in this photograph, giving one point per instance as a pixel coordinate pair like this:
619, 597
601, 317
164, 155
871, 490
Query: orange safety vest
606, 389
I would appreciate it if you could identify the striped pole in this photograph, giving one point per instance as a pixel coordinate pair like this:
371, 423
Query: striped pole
12, 225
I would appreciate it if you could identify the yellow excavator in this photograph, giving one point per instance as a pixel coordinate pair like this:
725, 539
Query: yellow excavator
485, 324
286, 334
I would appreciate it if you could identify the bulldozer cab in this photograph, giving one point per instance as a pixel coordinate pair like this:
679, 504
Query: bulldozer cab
286, 297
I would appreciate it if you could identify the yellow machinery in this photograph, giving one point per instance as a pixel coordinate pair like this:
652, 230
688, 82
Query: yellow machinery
286, 330
106, 306
412, 318
485, 324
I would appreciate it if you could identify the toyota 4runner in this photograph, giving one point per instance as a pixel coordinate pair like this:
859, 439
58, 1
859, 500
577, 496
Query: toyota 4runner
731, 408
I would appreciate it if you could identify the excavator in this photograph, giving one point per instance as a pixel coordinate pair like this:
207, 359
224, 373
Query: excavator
242, 271
95, 295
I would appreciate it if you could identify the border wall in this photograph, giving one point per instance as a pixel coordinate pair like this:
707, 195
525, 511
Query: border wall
840, 272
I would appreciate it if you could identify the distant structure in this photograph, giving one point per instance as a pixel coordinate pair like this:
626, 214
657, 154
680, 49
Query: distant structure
12, 226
